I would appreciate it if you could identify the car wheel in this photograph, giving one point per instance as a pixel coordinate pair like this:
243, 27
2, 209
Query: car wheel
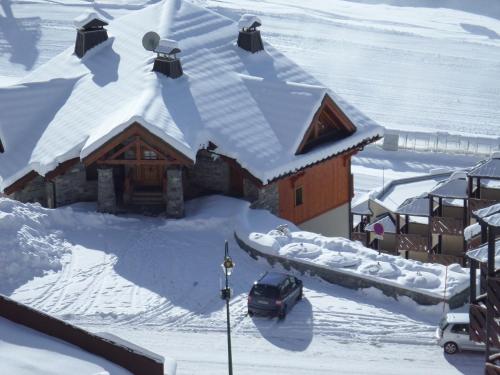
450, 348
282, 313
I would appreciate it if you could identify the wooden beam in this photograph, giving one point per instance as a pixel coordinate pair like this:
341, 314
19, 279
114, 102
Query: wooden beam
137, 129
21, 183
151, 148
62, 168
123, 150
135, 162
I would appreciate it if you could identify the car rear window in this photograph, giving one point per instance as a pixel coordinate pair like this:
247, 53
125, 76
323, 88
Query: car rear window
443, 323
262, 290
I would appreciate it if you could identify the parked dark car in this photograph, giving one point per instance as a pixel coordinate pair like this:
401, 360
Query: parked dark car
274, 294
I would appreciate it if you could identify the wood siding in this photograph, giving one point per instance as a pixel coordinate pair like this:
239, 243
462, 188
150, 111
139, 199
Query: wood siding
325, 186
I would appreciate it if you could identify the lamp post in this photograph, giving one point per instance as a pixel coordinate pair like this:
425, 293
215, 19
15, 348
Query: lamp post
227, 267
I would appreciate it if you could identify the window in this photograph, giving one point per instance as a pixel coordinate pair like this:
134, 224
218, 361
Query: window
149, 155
462, 329
299, 199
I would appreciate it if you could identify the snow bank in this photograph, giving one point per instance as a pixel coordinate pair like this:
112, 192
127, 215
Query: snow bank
27, 249
352, 257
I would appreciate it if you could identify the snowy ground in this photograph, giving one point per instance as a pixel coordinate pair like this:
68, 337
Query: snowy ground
156, 282
416, 65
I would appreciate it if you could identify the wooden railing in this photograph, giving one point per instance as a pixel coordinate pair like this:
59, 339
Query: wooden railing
360, 236
445, 259
492, 368
474, 242
447, 225
413, 242
477, 317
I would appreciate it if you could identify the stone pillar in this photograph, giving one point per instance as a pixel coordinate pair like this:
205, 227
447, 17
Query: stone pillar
50, 194
175, 195
106, 196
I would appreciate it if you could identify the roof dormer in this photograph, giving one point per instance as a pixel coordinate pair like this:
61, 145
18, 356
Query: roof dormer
90, 32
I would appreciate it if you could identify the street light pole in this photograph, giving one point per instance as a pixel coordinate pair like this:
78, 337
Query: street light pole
228, 266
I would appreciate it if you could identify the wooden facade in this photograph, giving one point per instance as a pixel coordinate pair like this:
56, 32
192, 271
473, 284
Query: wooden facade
325, 186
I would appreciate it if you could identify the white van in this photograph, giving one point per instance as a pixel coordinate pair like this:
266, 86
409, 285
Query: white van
453, 334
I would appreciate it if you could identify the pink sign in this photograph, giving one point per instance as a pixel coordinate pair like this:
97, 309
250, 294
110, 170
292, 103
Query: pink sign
379, 229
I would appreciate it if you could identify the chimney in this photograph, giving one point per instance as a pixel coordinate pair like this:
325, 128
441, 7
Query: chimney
249, 37
167, 62
90, 33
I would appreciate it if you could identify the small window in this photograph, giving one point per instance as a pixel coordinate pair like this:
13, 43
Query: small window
149, 155
462, 329
299, 199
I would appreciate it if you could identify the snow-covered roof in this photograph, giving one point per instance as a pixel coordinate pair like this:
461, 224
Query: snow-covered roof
255, 107
362, 208
417, 206
25, 351
457, 318
488, 168
249, 20
85, 18
472, 231
386, 221
451, 188
481, 254
487, 211
489, 215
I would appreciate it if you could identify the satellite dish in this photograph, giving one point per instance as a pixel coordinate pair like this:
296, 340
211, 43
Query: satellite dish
150, 40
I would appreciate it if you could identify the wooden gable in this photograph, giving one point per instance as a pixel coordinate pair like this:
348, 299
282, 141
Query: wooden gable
329, 124
136, 141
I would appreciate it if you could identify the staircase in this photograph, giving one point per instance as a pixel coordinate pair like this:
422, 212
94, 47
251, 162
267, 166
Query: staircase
147, 202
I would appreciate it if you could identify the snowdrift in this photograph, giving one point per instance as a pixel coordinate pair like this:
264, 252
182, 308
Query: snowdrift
351, 259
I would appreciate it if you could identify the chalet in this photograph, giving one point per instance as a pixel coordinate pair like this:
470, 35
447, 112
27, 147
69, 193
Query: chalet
213, 109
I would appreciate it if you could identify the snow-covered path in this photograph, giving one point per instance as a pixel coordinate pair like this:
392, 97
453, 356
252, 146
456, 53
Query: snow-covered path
157, 282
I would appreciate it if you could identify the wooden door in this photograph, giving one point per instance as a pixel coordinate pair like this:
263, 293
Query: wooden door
149, 175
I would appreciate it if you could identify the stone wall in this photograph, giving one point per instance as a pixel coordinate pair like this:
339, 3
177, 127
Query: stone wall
106, 196
354, 281
34, 191
268, 199
210, 174
175, 196
67, 188
73, 186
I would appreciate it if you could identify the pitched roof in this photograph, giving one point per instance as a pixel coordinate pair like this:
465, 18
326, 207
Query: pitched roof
417, 206
489, 168
255, 107
454, 187
362, 208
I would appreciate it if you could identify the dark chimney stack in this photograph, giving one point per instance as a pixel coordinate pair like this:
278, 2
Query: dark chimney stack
167, 62
249, 37
90, 33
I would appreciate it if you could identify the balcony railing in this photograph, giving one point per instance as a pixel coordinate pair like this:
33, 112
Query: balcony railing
474, 242
413, 242
476, 204
445, 259
447, 225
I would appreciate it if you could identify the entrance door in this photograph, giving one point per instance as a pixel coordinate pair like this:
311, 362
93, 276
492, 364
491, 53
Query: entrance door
149, 175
